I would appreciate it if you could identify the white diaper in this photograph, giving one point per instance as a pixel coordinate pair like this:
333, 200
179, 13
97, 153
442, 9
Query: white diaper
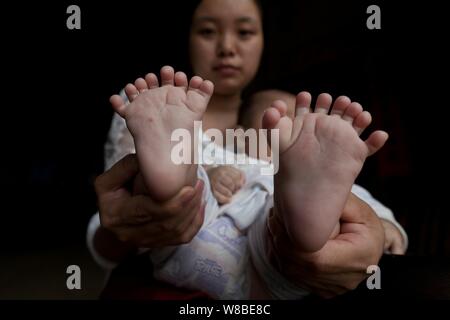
216, 261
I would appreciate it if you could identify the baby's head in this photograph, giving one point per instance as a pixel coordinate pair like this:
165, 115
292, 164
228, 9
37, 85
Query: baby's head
226, 43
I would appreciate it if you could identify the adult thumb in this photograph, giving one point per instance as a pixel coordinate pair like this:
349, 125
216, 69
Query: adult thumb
118, 175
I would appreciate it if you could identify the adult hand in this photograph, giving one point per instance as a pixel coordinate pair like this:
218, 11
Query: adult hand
139, 221
342, 263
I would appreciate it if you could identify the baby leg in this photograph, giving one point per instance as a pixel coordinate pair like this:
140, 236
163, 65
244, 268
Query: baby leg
321, 154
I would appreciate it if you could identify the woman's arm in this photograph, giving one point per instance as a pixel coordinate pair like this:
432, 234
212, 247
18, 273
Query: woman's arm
104, 246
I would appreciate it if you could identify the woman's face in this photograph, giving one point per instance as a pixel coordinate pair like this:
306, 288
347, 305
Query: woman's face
226, 43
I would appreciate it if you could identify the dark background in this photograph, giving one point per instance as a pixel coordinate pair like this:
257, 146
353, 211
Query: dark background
56, 112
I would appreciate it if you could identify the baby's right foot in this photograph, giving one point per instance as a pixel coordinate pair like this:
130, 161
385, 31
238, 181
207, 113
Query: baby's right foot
320, 158
152, 115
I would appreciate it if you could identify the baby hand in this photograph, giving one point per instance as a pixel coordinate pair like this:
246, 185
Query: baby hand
225, 181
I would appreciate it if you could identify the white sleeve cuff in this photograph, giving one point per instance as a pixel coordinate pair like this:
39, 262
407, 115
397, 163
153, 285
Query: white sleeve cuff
382, 211
93, 226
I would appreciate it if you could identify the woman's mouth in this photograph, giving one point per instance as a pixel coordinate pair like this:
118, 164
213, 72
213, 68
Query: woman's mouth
227, 70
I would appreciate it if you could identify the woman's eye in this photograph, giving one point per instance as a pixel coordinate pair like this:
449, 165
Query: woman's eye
246, 33
206, 31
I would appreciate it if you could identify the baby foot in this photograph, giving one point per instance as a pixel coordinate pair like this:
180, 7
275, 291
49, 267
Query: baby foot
153, 113
321, 155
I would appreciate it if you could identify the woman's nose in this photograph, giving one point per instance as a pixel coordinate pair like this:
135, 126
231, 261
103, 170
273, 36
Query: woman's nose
227, 46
